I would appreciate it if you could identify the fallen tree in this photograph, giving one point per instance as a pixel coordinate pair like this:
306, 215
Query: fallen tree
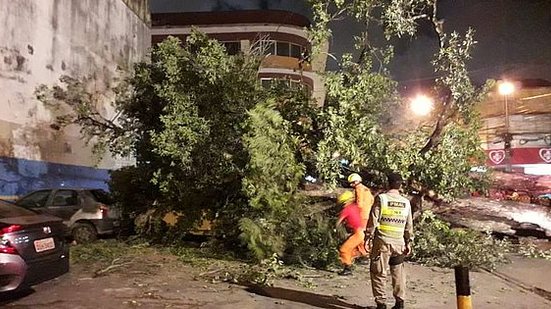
211, 143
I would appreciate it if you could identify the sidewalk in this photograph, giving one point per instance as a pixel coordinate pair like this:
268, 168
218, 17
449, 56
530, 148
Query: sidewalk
532, 273
430, 287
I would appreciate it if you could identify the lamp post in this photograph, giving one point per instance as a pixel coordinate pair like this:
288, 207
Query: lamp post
421, 106
506, 88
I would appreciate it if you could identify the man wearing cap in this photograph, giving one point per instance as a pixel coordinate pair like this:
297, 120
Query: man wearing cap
391, 228
364, 198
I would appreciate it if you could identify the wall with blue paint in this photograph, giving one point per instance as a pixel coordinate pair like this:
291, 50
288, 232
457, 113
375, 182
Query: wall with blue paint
78, 38
19, 176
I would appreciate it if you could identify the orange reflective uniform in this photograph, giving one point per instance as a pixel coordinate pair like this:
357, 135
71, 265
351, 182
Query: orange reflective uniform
354, 244
365, 200
353, 247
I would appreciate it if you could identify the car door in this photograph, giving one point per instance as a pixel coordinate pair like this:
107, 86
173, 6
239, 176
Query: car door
35, 201
64, 204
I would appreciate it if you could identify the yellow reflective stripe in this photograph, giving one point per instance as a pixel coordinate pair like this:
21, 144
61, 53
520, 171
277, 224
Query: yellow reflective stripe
393, 218
395, 212
391, 228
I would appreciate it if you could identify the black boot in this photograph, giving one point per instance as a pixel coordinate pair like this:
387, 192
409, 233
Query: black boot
399, 304
381, 306
347, 271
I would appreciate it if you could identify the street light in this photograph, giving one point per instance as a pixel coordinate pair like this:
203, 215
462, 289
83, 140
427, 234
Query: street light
421, 105
506, 88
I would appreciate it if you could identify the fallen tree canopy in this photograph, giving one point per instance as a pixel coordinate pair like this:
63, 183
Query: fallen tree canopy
437, 244
211, 143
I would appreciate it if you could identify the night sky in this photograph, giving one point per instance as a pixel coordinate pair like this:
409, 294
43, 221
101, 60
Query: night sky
514, 35
514, 39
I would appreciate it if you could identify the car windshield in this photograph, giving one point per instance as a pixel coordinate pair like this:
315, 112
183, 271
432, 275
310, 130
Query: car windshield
102, 196
34, 199
8, 210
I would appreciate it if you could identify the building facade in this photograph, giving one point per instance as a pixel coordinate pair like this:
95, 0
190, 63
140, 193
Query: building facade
41, 41
280, 34
525, 127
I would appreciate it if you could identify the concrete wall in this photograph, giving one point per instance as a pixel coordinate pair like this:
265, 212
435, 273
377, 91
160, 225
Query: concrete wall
41, 40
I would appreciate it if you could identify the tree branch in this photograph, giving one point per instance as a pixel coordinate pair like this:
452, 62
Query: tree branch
419, 16
105, 124
443, 120
438, 24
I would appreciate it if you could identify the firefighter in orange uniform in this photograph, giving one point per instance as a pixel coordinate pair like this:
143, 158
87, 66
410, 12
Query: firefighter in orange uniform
364, 198
353, 247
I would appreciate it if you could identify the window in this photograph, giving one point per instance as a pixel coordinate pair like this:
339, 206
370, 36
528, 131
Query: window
294, 84
296, 51
65, 198
269, 47
266, 82
284, 82
102, 197
8, 210
232, 48
274, 82
284, 49
35, 199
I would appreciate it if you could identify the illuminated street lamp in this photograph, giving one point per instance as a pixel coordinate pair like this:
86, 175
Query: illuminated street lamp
421, 105
506, 88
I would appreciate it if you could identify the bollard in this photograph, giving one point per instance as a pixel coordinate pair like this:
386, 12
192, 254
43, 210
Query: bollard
463, 288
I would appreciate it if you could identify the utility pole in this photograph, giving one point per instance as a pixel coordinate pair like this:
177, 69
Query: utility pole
506, 88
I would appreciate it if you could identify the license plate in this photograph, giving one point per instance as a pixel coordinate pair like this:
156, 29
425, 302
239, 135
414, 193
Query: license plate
44, 244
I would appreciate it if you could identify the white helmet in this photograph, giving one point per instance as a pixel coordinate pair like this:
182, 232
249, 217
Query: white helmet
354, 177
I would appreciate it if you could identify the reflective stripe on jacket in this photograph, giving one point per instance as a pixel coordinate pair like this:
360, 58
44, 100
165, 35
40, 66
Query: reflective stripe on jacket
394, 215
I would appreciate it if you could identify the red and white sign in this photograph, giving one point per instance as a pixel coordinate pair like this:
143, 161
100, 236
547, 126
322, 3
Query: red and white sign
496, 156
545, 154
519, 156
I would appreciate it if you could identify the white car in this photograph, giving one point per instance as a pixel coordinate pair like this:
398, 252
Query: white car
86, 212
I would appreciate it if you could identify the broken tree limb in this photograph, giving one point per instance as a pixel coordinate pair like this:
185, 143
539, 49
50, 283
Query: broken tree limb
111, 267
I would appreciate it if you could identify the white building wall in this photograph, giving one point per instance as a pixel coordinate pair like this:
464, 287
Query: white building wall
41, 40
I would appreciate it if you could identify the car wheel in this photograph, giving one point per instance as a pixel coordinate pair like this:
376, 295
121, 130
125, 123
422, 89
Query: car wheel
84, 233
